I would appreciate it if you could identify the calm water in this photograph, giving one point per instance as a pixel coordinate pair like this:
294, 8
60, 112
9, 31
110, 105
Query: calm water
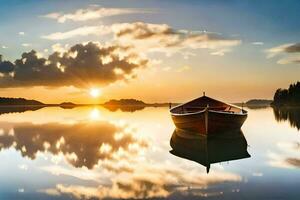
91, 152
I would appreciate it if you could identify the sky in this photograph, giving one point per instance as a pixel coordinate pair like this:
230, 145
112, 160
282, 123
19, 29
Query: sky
153, 50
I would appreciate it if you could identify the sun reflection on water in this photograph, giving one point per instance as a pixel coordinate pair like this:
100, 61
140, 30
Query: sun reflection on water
95, 114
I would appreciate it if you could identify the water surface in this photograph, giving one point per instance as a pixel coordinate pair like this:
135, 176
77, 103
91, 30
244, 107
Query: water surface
94, 152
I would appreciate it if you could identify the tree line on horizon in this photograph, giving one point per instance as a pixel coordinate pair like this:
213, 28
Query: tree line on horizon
18, 101
287, 97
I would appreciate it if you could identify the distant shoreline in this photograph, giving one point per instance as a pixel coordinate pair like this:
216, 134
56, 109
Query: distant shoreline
82, 105
20, 102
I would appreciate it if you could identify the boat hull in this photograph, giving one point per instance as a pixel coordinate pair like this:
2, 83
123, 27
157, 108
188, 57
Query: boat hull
209, 122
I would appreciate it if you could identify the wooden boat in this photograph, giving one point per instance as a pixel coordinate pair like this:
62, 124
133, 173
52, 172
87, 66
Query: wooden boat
205, 151
208, 116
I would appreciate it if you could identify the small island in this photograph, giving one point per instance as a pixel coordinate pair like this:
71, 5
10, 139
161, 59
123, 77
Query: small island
67, 105
5, 101
287, 97
130, 105
259, 102
125, 105
256, 103
134, 102
18, 105
125, 102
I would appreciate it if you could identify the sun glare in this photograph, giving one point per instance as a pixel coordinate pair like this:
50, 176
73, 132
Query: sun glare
95, 114
95, 92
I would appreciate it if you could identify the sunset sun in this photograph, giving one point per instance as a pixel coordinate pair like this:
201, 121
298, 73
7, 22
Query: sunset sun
95, 92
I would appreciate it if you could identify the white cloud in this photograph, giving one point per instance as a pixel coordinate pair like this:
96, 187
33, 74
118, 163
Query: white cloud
21, 190
258, 174
21, 33
59, 48
91, 13
162, 38
288, 53
272, 52
81, 31
145, 37
257, 43
220, 52
289, 60
51, 192
26, 44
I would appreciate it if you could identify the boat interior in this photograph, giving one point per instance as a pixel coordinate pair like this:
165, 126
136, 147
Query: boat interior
200, 104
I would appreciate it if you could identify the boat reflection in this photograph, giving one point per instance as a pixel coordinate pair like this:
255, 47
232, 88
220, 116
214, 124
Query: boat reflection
288, 114
205, 151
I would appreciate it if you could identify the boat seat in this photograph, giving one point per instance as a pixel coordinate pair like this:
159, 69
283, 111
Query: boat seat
228, 108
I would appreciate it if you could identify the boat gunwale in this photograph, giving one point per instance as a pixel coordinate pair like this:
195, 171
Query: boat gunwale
213, 111
245, 112
185, 114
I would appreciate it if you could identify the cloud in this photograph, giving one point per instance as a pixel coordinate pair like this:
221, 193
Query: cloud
288, 53
295, 162
220, 52
258, 174
91, 13
26, 44
81, 65
272, 52
81, 31
6, 67
289, 60
258, 43
146, 37
21, 33
163, 38
294, 48
21, 190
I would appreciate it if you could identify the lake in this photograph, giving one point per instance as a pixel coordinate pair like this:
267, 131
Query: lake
94, 152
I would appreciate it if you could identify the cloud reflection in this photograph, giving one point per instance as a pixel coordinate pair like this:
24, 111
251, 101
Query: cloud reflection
287, 157
150, 182
82, 144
